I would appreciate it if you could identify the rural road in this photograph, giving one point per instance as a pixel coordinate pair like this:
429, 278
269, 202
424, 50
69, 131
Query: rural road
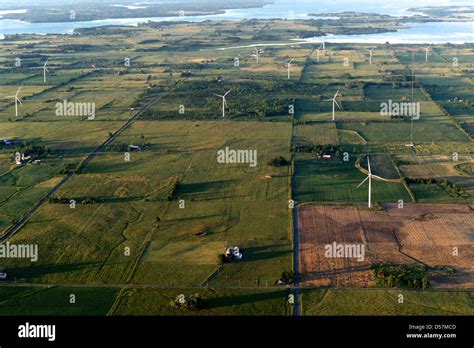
296, 262
84, 163
25, 218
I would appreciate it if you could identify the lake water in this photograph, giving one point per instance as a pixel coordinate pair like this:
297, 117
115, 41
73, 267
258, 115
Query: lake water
454, 32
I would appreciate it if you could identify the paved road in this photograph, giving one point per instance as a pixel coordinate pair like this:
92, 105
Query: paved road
13, 229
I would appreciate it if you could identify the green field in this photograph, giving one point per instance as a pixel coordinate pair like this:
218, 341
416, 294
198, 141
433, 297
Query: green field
217, 302
385, 302
336, 182
55, 301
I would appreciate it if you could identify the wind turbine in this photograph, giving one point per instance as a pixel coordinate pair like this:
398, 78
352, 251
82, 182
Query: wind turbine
224, 103
45, 70
289, 66
411, 144
334, 103
257, 52
317, 51
427, 51
369, 177
17, 100
370, 54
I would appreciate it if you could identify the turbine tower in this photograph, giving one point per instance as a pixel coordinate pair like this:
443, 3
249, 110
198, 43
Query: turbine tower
369, 177
289, 67
370, 55
427, 51
334, 103
45, 70
17, 100
317, 51
411, 144
224, 103
257, 52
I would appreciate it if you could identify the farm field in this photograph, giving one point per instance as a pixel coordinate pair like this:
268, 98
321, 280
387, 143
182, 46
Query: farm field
218, 302
329, 302
130, 205
56, 301
414, 234
453, 182
336, 182
139, 301
133, 194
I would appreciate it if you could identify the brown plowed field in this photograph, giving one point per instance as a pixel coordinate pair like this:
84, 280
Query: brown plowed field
415, 234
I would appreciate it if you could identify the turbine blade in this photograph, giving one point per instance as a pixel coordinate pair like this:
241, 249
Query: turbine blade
367, 178
380, 178
220, 96
368, 164
339, 106
227, 92
19, 89
18, 100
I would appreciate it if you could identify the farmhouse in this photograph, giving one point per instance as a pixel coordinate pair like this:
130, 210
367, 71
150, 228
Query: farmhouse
233, 253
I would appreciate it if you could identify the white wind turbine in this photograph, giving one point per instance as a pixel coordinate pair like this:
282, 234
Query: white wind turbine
334, 103
369, 177
317, 51
411, 144
427, 51
289, 67
45, 70
257, 54
370, 54
17, 100
224, 103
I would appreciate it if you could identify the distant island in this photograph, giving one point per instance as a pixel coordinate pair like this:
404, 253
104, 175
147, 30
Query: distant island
108, 9
458, 12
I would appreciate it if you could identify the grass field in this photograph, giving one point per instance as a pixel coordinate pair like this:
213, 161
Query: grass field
183, 248
217, 302
337, 181
55, 301
385, 302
